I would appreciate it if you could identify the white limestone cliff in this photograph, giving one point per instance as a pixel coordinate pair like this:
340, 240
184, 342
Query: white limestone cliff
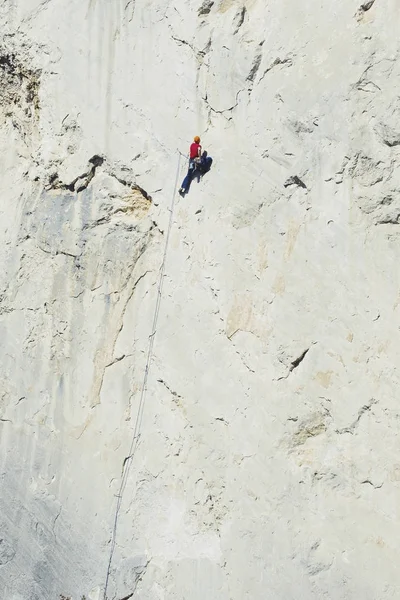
267, 465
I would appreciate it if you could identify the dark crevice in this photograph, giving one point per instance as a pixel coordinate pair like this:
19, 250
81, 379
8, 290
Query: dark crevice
81, 182
8, 63
207, 48
154, 225
116, 360
369, 482
139, 574
239, 19
254, 68
200, 54
96, 223
67, 254
171, 391
394, 220
221, 112
205, 8
295, 180
367, 86
392, 144
96, 160
58, 252
295, 363
367, 5
278, 61
364, 409
133, 186
130, 6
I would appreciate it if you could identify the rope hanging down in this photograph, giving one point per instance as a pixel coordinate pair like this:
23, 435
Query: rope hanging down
138, 423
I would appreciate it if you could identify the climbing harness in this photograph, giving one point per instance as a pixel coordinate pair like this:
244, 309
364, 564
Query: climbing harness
139, 416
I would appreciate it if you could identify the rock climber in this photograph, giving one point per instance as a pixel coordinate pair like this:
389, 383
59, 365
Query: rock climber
194, 161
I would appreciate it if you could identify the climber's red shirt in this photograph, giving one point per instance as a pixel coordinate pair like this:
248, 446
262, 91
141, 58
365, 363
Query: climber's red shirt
194, 150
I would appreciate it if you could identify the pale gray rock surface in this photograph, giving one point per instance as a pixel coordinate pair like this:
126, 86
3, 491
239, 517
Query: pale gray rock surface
267, 465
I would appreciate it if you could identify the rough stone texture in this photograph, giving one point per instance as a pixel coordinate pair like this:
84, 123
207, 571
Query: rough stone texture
268, 461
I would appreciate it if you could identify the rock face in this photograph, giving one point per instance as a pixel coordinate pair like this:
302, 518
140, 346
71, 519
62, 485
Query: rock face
262, 461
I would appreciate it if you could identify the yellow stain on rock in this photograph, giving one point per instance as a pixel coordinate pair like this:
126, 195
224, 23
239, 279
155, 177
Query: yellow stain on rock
337, 357
383, 347
240, 315
279, 285
306, 457
395, 473
262, 255
239, 4
324, 378
135, 204
291, 239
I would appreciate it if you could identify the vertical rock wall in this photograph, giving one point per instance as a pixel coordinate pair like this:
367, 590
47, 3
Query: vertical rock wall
267, 464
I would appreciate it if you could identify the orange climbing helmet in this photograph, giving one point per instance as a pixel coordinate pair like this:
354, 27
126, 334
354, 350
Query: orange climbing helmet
197, 139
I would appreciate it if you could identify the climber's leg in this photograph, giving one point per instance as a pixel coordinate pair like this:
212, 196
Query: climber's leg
188, 179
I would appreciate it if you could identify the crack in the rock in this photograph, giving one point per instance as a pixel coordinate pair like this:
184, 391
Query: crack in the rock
117, 360
294, 180
35, 12
351, 428
155, 226
200, 54
132, 186
295, 363
138, 578
392, 144
362, 83
81, 182
97, 392
254, 68
239, 18
367, 86
278, 61
375, 486
59, 252
221, 112
244, 363
130, 5
171, 391
389, 220
97, 222
366, 6
205, 8
56, 518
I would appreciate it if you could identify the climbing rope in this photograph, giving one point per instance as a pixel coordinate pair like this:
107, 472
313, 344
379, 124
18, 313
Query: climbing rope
139, 416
